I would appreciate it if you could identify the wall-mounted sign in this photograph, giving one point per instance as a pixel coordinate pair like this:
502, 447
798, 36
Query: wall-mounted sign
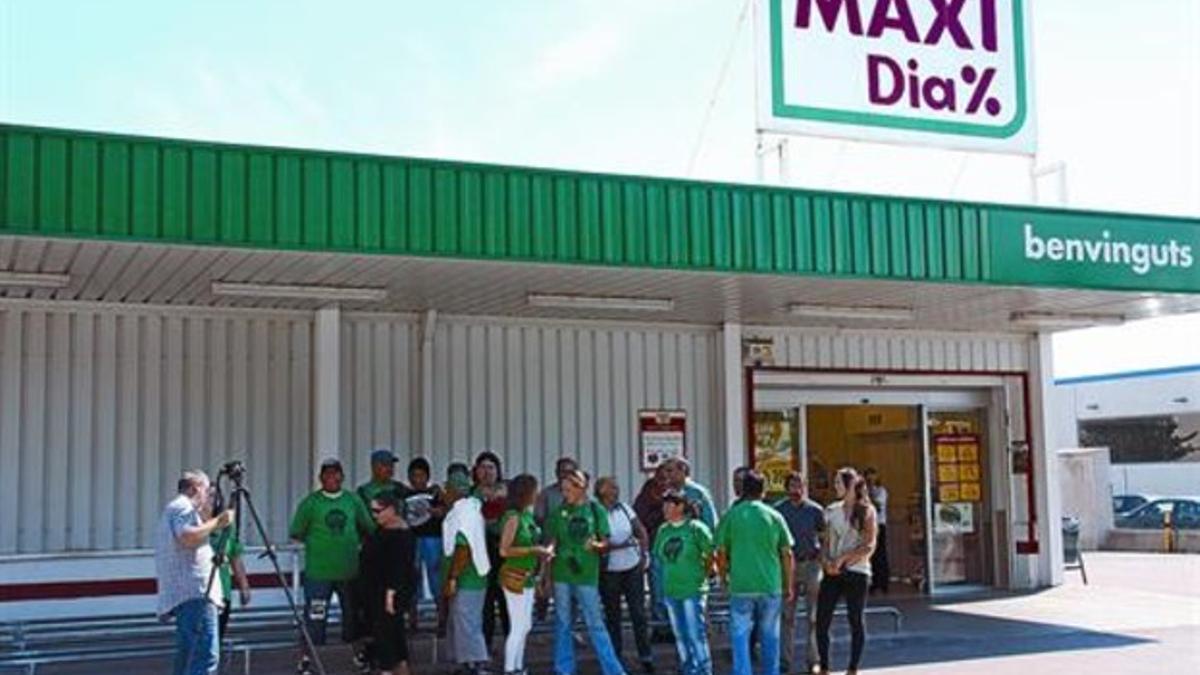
776, 451
758, 351
662, 434
970, 492
1120, 252
947, 73
954, 518
1019, 451
968, 472
947, 473
958, 471
948, 492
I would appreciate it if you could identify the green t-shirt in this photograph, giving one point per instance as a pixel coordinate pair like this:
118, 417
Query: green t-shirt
369, 490
332, 529
683, 548
751, 534
571, 527
233, 549
527, 534
469, 579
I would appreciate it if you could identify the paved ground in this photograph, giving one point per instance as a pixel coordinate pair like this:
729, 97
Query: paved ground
1141, 613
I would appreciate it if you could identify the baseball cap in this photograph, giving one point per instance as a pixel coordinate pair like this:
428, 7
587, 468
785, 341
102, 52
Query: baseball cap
458, 481
383, 457
331, 463
675, 496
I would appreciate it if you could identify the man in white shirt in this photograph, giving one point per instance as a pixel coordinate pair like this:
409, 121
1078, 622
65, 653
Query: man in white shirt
183, 562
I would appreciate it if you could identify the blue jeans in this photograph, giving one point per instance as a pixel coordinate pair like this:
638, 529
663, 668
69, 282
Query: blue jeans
588, 599
429, 559
747, 613
197, 647
658, 607
691, 634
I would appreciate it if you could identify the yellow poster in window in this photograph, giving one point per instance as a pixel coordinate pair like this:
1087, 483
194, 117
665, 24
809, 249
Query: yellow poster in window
947, 473
968, 453
948, 493
946, 453
968, 472
970, 492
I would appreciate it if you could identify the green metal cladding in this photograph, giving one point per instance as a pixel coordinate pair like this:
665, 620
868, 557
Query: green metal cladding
90, 185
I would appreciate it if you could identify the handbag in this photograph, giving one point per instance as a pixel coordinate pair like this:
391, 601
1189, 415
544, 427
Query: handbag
513, 579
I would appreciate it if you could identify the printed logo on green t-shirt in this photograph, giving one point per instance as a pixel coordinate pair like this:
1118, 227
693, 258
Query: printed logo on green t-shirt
672, 548
335, 520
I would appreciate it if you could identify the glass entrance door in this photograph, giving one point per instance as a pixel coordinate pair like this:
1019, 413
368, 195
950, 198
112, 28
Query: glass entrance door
889, 439
961, 551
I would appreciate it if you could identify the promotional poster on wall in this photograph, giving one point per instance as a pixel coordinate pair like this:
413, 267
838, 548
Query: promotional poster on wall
776, 447
662, 434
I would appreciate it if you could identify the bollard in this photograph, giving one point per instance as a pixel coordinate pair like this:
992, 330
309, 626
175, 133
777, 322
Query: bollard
1168, 534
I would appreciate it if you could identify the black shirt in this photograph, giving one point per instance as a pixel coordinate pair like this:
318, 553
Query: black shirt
386, 563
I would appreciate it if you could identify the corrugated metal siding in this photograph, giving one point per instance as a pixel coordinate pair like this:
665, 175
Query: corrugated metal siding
94, 185
380, 391
530, 392
100, 411
822, 348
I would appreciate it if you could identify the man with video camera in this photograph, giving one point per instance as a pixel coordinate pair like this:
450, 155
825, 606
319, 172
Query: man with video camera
183, 561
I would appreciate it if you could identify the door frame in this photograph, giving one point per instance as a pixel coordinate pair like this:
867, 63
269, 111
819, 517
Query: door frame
926, 390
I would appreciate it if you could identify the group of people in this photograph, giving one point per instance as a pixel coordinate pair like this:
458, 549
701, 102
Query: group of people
496, 551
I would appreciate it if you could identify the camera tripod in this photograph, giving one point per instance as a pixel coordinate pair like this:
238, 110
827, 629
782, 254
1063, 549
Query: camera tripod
239, 496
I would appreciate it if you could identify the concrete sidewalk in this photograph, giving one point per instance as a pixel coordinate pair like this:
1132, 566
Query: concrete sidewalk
1141, 613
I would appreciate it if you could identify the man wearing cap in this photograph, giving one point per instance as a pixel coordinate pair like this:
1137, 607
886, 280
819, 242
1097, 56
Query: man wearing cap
578, 530
331, 523
383, 478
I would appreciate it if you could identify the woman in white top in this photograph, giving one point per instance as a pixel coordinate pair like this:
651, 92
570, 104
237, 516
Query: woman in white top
623, 571
850, 533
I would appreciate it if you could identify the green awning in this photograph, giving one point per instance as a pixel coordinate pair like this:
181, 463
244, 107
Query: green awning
61, 183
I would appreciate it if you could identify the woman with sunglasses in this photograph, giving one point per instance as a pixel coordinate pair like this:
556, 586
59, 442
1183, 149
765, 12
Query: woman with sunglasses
388, 557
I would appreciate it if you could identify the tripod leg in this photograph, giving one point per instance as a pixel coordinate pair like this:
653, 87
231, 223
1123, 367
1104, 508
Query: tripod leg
283, 581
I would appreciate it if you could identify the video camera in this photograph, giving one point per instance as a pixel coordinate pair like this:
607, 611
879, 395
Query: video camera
234, 469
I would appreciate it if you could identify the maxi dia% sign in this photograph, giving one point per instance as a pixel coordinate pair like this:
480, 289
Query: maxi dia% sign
945, 73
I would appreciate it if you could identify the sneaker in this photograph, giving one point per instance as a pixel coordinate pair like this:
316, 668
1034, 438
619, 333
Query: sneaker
362, 663
304, 666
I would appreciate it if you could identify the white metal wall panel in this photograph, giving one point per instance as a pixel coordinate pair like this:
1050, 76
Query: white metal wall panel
528, 391
380, 391
896, 350
101, 408
532, 391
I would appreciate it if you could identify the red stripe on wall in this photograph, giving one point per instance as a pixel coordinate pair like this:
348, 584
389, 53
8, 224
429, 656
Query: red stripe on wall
67, 590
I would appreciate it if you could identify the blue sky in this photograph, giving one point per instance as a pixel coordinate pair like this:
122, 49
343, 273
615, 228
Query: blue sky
618, 85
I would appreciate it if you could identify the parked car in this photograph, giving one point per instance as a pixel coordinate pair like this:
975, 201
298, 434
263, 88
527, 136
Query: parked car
1123, 504
1184, 512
